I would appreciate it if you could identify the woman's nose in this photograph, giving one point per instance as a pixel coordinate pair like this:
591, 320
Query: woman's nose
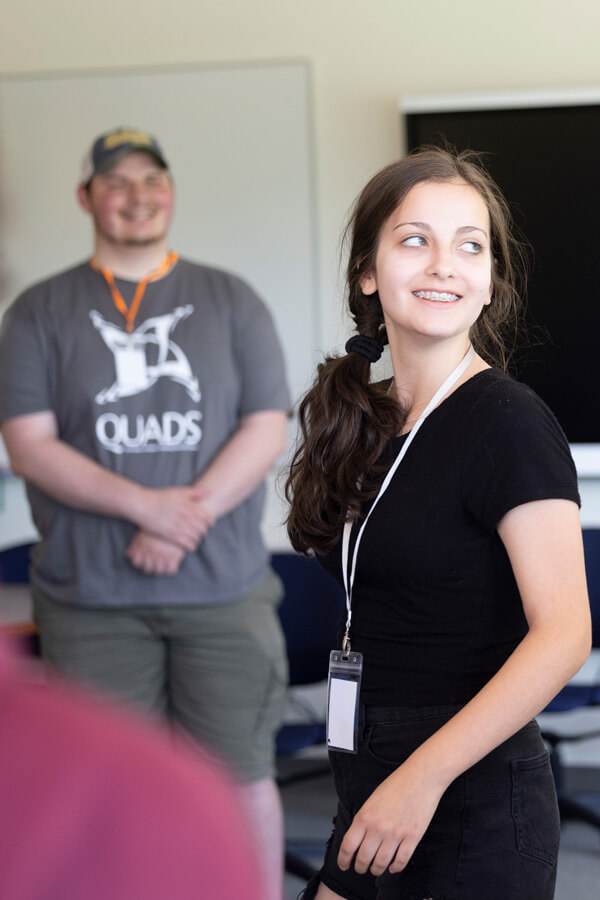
441, 263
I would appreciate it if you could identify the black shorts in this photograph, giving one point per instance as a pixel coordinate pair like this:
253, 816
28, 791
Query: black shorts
496, 831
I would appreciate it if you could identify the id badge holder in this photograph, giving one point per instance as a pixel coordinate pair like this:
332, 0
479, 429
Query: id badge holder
343, 689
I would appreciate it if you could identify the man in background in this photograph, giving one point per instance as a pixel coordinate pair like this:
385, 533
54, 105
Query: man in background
143, 399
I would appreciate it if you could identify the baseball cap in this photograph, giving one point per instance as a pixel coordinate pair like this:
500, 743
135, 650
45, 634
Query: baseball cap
109, 148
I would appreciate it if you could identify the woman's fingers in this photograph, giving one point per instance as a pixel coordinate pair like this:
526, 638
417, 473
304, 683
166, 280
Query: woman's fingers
352, 841
386, 856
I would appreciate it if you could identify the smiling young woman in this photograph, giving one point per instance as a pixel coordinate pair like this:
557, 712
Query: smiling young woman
457, 498
433, 266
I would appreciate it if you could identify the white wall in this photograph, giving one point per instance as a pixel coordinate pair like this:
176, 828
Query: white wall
365, 56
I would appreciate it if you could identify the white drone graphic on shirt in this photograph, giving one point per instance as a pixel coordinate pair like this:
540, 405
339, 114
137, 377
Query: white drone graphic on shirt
134, 373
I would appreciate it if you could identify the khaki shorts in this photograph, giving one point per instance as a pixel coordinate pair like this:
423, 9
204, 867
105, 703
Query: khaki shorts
220, 672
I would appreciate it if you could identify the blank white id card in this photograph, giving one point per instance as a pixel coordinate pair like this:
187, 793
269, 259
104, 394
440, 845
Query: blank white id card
343, 691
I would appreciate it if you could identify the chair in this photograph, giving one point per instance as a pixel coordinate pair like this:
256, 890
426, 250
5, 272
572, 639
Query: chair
311, 613
14, 608
14, 564
583, 692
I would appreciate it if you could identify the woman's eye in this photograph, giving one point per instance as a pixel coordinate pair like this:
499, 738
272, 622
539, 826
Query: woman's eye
472, 247
415, 240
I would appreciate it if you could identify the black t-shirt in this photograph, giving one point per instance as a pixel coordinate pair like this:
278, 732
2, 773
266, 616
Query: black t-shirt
435, 606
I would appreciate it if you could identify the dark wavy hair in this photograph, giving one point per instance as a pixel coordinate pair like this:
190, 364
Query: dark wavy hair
345, 419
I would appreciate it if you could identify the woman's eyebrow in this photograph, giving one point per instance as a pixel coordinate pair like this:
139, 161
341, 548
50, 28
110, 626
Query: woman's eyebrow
422, 225
425, 227
465, 228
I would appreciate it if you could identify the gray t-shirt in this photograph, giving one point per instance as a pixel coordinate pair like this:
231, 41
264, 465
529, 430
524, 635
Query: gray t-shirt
154, 405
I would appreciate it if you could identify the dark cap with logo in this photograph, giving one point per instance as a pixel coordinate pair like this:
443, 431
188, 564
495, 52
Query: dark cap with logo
109, 148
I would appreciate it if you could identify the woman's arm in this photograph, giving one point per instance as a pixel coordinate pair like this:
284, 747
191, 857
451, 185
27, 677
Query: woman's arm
544, 544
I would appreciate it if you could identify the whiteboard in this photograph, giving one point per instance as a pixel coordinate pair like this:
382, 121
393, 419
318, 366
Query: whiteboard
239, 141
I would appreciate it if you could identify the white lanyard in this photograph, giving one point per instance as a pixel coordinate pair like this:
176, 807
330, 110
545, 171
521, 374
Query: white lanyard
437, 397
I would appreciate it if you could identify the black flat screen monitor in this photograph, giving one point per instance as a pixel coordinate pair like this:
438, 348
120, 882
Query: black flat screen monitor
546, 158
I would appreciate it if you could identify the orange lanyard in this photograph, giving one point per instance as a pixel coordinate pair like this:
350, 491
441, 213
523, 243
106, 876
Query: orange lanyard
130, 313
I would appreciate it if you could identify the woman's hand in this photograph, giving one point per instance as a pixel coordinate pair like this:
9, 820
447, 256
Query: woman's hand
389, 825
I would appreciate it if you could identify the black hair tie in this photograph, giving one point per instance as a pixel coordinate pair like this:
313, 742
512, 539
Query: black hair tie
366, 346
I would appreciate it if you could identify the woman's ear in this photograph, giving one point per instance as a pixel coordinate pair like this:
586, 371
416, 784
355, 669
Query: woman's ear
368, 283
491, 288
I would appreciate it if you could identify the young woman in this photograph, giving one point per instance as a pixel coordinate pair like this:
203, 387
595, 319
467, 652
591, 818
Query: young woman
464, 569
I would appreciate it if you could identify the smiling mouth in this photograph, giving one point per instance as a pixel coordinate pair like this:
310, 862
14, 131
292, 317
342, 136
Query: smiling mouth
138, 215
437, 296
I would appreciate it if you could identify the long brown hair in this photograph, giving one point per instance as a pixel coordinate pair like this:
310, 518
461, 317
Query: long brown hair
345, 420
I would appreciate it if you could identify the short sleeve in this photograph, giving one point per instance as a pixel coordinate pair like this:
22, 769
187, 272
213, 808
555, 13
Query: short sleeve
517, 454
259, 356
25, 377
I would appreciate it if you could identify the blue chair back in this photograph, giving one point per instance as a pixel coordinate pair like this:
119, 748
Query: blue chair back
591, 549
311, 614
14, 564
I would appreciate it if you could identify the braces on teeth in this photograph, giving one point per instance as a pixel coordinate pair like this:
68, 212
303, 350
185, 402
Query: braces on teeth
436, 295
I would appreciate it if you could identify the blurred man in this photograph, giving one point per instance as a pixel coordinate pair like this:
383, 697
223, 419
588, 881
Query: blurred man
143, 399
